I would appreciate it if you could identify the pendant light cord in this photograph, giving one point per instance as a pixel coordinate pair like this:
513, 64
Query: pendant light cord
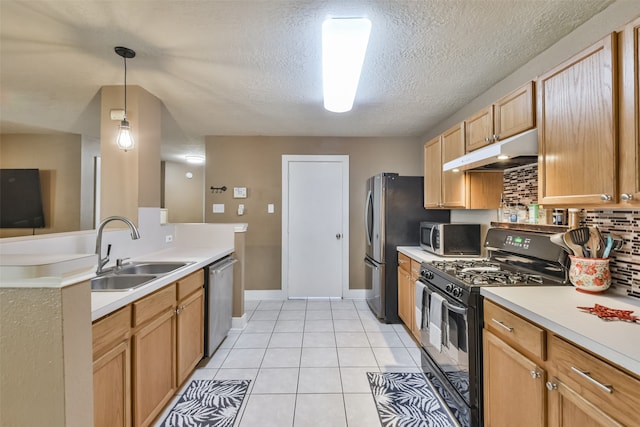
125, 86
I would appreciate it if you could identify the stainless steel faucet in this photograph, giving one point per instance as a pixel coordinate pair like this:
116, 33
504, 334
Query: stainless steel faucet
135, 235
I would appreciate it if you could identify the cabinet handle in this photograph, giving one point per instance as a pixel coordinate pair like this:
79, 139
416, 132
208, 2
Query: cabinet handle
487, 139
551, 386
587, 376
625, 197
502, 325
606, 197
534, 374
496, 137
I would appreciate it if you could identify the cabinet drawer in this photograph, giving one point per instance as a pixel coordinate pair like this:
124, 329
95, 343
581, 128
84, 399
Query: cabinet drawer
189, 284
111, 329
404, 262
415, 269
150, 306
612, 390
515, 330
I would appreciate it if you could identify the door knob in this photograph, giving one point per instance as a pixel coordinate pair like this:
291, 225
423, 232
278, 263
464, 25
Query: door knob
338, 236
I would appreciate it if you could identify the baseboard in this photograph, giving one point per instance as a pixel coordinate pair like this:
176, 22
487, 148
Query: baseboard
239, 323
356, 294
275, 294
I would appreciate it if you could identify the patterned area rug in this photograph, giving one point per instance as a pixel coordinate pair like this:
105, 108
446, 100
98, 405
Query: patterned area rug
407, 400
208, 403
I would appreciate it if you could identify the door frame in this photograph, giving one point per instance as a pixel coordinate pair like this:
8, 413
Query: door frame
344, 162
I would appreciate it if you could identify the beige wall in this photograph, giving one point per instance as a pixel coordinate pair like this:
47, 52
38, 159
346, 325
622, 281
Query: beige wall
58, 156
130, 179
184, 197
256, 162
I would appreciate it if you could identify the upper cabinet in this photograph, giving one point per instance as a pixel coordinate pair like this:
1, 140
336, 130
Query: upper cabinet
629, 107
444, 189
510, 115
456, 189
577, 128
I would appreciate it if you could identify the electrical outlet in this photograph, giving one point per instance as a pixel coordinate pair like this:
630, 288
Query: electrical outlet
218, 208
168, 238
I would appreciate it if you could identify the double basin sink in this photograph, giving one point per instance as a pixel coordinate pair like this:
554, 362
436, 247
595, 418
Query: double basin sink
133, 275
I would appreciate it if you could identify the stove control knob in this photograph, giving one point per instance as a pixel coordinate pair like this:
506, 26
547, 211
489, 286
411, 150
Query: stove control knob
457, 292
449, 288
427, 275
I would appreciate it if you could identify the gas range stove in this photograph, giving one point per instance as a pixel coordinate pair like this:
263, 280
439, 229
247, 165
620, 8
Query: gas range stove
516, 258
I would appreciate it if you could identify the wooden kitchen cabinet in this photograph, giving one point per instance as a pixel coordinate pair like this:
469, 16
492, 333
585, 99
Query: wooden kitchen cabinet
154, 354
189, 324
581, 389
586, 390
577, 128
514, 386
629, 108
415, 274
112, 370
510, 115
456, 189
405, 304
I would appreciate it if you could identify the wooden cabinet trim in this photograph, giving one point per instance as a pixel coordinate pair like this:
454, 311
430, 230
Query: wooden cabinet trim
190, 283
110, 329
522, 334
148, 307
517, 121
404, 262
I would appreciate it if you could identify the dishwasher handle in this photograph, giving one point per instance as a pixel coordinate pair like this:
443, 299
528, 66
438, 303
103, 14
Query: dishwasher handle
220, 266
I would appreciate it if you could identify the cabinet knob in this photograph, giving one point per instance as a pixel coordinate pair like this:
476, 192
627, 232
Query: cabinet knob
551, 386
495, 137
487, 139
625, 197
535, 374
606, 197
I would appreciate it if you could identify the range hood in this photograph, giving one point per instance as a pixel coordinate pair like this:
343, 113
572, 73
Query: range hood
518, 150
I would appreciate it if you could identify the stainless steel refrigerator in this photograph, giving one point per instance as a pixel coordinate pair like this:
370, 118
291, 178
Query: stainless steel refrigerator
393, 211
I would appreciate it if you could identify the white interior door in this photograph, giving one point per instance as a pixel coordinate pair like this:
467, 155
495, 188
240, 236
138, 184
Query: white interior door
315, 226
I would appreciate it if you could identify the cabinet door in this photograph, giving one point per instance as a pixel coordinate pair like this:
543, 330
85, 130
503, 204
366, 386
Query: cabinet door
568, 408
154, 377
415, 274
479, 129
484, 189
190, 334
515, 113
404, 297
111, 388
432, 173
578, 128
453, 185
514, 388
629, 172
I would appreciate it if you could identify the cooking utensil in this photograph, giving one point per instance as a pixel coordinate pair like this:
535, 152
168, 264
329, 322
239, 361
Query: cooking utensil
607, 249
603, 242
579, 236
593, 244
558, 240
574, 249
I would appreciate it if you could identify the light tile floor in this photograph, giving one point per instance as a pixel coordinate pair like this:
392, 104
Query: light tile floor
308, 362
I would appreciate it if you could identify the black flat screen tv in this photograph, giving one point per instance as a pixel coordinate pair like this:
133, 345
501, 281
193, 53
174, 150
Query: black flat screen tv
20, 199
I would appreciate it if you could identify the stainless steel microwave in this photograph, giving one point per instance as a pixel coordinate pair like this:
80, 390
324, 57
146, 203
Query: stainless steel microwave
450, 239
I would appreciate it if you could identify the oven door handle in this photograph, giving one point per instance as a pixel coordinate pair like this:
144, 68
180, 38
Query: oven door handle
447, 304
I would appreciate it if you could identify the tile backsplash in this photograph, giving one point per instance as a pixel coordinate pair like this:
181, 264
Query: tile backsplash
521, 186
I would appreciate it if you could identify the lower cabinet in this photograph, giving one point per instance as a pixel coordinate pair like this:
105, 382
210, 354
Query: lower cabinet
112, 370
145, 351
535, 378
408, 273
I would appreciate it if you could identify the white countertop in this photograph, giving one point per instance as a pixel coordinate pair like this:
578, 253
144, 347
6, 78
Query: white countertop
554, 308
103, 303
419, 254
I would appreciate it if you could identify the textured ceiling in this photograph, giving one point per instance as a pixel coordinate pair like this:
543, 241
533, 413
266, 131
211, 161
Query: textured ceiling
241, 67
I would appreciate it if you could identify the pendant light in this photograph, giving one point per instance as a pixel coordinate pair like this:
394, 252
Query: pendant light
125, 138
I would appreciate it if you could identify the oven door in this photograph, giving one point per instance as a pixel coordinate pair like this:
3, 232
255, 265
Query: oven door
452, 355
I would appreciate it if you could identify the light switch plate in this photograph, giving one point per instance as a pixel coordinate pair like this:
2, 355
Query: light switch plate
239, 192
270, 208
218, 208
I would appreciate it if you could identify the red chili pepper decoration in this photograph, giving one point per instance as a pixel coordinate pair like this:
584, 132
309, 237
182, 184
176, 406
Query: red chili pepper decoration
607, 313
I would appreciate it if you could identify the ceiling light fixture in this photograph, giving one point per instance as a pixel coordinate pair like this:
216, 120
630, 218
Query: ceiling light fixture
125, 139
195, 159
344, 44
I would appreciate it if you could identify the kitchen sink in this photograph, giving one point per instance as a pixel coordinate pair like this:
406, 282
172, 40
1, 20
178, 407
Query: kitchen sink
149, 267
125, 282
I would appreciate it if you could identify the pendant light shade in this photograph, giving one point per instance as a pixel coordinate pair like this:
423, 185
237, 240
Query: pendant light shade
125, 138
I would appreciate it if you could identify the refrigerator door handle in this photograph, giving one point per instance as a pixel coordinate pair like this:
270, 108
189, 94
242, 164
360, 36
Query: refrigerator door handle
370, 264
367, 207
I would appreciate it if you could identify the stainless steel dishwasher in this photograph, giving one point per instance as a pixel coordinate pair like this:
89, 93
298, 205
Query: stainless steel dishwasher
219, 303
